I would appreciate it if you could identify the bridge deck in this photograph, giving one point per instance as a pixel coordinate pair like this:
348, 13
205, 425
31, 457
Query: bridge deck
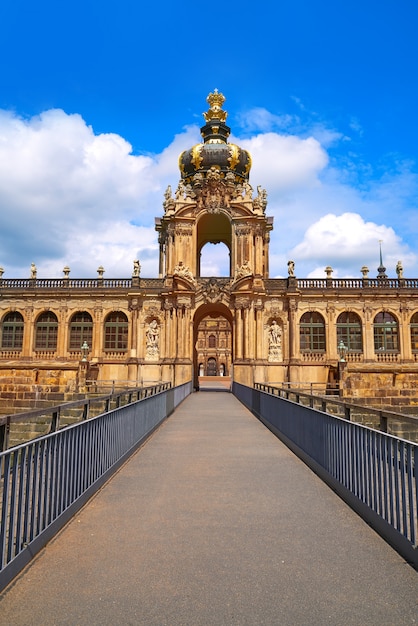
214, 522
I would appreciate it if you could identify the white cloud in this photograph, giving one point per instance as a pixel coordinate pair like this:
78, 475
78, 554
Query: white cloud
260, 119
347, 242
68, 196
71, 197
283, 163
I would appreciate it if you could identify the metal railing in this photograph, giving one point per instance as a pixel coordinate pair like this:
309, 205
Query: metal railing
52, 416
398, 424
46, 481
374, 472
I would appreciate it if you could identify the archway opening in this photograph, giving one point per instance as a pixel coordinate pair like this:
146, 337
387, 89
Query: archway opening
213, 342
214, 228
215, 260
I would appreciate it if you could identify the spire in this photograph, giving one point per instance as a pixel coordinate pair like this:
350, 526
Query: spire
381, 269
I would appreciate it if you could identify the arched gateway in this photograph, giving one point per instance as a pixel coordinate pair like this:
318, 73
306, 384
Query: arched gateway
214, 203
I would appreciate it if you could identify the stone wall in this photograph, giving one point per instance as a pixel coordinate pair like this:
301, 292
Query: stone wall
394, 389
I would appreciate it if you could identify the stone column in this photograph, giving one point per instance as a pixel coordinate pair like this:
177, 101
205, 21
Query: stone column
98, 331
331, 333
405, 335
62, 339
259, 335
238, 333
28, 333
368, 336
293, 348
133, 307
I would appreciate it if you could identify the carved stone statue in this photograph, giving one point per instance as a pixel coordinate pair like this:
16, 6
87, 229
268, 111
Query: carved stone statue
275, 342
137, 269
152, 336
167, 193
33, 271
180, 191
291, 268
183, 272
248, 190
244, 270
399, 269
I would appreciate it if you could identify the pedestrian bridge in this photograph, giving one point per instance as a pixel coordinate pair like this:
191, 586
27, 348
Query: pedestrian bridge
211, 519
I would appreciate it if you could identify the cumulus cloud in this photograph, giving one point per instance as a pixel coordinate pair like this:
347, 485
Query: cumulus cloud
347, 242
284, 163
71, 197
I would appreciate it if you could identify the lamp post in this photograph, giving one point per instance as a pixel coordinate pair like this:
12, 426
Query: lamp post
342, 351
84, 351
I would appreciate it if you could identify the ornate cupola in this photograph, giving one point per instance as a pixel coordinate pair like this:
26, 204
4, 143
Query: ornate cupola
213, 204
215, 153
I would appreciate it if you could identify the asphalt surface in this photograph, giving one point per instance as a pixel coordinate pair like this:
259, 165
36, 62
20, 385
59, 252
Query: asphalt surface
214, 522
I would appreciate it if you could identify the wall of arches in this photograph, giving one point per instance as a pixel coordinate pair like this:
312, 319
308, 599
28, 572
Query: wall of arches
384, 337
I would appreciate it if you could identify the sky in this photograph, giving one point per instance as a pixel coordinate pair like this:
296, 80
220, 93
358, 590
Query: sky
98, 99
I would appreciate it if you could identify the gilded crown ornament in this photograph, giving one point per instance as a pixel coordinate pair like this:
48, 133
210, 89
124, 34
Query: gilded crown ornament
215, 101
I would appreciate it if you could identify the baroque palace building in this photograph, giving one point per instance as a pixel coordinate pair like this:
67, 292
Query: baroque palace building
361, 332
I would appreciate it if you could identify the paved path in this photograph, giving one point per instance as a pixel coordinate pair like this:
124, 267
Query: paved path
214, 522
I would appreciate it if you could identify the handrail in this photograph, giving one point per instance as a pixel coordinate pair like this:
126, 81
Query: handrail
347, 408
53, 413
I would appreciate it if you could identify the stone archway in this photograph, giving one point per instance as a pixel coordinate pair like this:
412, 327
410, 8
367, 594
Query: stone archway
222, 349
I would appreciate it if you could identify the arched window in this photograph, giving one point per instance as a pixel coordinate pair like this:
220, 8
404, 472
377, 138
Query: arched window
349, 331
12, 331
81, 330
46, 331
414, 332
116, 331
212, 341
386, 333
312, 332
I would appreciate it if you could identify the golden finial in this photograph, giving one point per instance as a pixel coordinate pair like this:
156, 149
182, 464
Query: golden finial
215, 100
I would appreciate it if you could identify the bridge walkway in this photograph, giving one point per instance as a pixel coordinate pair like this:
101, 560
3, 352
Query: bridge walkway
214, 522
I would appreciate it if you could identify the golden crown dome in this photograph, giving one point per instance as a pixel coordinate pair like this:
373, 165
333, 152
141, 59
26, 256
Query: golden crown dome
215, 151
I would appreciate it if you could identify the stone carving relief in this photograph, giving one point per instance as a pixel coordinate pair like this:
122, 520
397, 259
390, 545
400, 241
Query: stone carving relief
184, 302
183, 230
244, 270
212, 292
260, 202
274, 342
152, 338
183, 271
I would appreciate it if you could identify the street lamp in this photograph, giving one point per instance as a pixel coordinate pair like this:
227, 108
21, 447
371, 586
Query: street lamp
84, 351
342, 351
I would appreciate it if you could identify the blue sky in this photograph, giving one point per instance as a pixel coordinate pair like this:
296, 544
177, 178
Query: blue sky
97, 100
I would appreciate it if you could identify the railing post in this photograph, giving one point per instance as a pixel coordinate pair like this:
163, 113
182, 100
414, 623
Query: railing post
347, 412
55, 420
383, 422
324, 406
86, 410
5, 434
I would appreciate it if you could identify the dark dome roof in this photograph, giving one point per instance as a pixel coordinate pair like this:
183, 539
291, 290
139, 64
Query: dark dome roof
215, 151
